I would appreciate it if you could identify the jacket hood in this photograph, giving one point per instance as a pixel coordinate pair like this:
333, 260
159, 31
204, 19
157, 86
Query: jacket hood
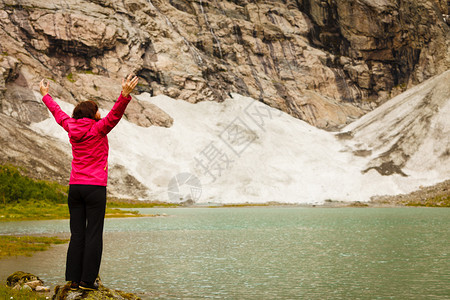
78, 128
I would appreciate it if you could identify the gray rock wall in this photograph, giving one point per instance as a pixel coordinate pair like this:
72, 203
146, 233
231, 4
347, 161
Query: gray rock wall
325, 62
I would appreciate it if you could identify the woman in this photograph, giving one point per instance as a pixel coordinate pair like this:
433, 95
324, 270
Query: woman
88, 179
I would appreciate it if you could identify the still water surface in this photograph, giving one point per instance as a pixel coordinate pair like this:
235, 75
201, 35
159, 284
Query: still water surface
263, 253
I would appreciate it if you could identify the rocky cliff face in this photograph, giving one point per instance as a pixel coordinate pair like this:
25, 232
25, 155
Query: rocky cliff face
323, 61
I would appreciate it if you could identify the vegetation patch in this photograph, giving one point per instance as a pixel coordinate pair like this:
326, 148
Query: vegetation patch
70, 77
26, 245
270, 203
241, 205
127, 203
8, 293
33, 210
437, 201
90, 72
23, 198
358, 204
44, 210
15, 187
433, 196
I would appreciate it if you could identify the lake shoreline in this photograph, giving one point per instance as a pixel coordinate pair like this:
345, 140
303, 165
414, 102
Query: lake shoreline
437, 195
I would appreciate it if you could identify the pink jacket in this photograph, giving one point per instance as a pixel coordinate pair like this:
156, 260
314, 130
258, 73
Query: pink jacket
89, 142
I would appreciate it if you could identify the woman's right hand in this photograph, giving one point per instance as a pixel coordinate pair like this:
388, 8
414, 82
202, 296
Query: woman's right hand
44, 88
129, 85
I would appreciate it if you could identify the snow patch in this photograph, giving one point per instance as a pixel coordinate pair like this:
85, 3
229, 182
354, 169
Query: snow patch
242, 150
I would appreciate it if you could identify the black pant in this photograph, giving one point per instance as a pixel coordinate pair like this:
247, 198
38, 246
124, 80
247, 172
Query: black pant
87, 204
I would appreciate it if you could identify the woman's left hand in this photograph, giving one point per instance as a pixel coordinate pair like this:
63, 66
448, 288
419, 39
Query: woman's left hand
44, 88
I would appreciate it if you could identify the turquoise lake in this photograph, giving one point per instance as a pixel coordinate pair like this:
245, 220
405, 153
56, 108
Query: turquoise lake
262, 253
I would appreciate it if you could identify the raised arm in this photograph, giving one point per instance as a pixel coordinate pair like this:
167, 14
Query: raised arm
106, 124
60, 116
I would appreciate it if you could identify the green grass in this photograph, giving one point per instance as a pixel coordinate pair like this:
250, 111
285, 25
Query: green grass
8, 293
239, 205
26, 245
35, 210
270, 203
122, 203
119, 213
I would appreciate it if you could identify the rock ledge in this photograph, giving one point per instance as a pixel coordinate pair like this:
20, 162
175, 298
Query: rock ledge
63, 292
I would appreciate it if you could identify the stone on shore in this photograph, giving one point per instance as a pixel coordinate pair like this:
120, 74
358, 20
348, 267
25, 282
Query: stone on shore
23, 280
63, 292
43, 289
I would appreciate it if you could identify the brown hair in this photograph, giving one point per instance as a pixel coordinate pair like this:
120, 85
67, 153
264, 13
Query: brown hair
85, 109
